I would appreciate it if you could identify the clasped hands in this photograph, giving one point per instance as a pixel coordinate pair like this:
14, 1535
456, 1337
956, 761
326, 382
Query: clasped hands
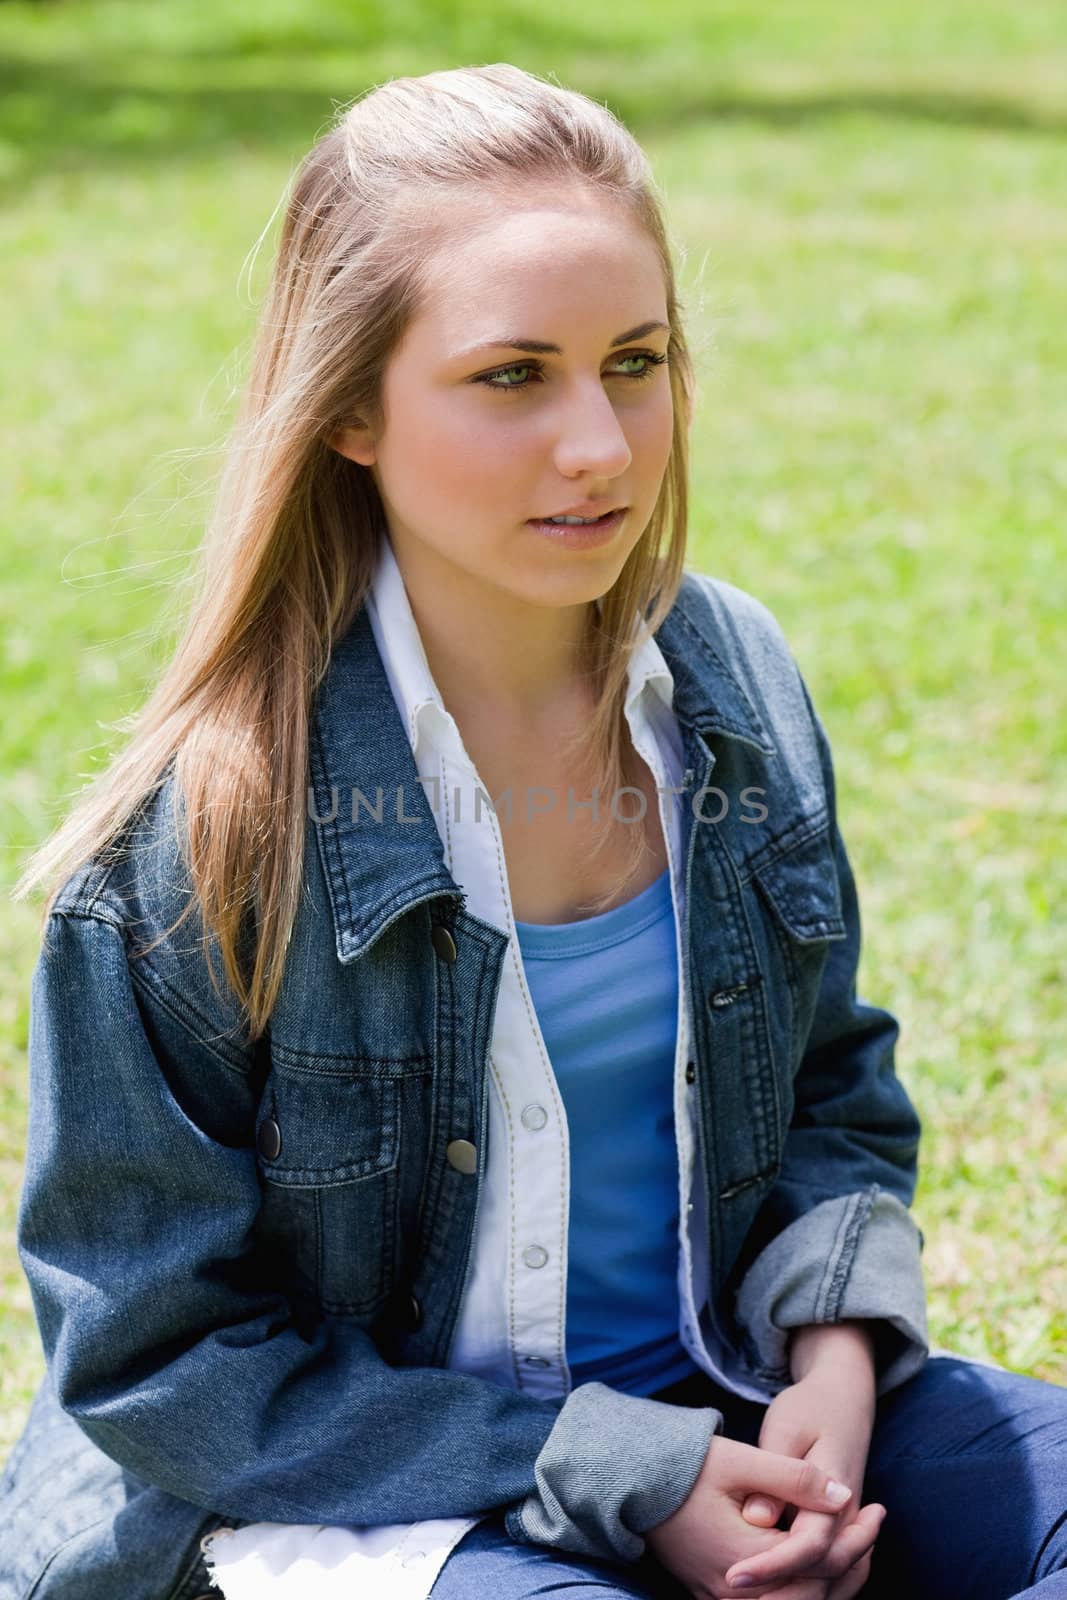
814, 1433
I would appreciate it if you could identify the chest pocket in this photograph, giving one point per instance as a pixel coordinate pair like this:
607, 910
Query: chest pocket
328, 1146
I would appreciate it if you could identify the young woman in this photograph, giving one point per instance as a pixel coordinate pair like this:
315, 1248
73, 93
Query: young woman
459, 1160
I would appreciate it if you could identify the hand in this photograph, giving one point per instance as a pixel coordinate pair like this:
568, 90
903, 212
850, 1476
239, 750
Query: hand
707, 1534
827, 1417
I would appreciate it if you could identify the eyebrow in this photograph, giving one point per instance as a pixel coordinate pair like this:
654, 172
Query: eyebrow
542, 347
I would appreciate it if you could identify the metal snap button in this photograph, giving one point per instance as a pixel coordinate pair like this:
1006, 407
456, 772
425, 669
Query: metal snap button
462, 1155
414, 1314
443, 942
534, 1117
269, 1139
535, 1255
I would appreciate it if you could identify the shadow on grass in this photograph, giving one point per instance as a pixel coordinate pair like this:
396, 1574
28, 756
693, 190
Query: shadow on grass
68, 116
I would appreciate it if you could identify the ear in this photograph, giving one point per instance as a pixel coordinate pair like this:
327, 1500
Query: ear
356, 443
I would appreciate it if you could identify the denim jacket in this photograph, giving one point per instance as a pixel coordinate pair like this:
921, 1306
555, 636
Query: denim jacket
247, 1260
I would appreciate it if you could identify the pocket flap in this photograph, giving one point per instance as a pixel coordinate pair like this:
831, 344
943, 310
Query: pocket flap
801, 886
319, 1128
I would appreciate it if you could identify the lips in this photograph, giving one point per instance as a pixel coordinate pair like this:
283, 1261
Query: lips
587, 512
581, 535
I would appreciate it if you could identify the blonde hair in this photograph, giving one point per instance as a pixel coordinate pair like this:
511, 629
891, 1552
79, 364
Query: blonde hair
292, 543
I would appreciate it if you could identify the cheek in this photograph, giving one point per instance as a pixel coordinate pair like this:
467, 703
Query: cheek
450, 444
428, 456
483, 460
453, 475
664, 421
656, 431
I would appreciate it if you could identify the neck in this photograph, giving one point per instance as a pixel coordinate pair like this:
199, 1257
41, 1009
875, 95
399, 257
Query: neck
496, 655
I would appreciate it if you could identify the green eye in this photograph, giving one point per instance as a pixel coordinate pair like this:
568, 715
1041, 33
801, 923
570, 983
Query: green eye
502, 372
651, 360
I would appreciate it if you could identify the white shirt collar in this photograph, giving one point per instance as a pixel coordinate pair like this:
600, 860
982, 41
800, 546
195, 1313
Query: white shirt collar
408, 670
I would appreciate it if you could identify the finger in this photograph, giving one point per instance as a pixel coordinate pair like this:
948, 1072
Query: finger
849, 1546
798, 1554
853, 1544
802, 1589
799, 1483
853, 1583
761, 1510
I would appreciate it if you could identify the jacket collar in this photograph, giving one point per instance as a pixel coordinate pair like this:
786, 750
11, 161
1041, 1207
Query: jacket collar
377, 836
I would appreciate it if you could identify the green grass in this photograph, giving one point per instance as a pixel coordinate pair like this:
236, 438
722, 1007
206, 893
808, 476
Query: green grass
870, 202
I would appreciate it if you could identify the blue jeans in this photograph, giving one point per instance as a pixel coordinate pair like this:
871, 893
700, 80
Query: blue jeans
970, 1462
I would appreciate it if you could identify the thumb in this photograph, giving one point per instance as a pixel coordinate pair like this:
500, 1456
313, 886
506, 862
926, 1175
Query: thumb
762, 1511
797, 1483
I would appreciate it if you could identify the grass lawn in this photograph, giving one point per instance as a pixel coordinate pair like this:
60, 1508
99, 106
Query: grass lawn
870, 205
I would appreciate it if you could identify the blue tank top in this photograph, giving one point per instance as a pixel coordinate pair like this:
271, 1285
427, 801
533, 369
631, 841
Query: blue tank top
605, 990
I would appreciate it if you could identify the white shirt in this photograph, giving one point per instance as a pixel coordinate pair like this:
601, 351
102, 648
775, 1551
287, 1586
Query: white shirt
516, 1338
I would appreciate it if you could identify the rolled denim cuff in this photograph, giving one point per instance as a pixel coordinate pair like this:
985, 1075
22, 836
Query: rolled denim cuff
855, 1256
613, 1466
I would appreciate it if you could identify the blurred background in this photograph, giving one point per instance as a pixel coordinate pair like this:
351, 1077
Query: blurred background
869, 209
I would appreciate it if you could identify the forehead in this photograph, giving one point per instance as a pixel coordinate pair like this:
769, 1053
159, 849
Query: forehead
535, 267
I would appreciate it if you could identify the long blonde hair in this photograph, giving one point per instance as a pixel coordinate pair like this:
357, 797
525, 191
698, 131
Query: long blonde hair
292, 542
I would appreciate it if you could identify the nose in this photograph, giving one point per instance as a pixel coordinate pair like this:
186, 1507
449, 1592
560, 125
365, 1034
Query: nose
591, 440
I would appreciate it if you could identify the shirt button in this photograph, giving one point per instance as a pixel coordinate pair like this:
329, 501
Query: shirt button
462, 1155
534, 1255
690, 1072
534, 1117
536, 1361
269, 1140
414, 1558
413, 1316
443, 942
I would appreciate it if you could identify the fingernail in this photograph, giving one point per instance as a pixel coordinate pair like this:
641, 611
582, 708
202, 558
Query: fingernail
744, 1580
837, 1493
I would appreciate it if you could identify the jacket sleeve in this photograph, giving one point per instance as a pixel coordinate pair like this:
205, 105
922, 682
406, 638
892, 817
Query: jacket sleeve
854, 1138
177, 1360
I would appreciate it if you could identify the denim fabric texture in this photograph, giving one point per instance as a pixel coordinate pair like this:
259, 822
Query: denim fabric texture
246, 1260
